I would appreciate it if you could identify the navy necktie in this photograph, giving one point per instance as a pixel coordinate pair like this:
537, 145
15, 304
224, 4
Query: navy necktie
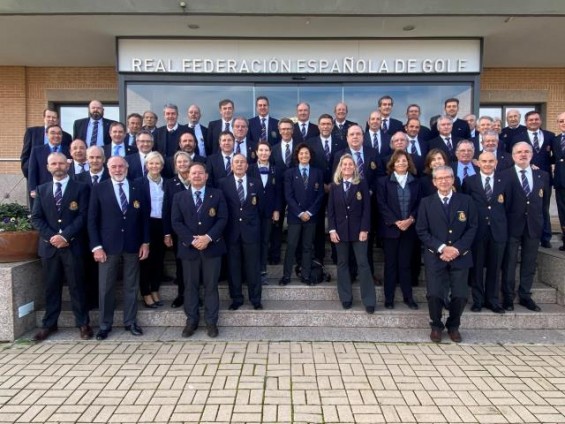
347, 185
227, 128
263, 170
305, 177
58, 196
536, 142
413, 150
525, 183
263, 130
562, 144
446, 207
240, 191
385, 125
327, 150
449, 145
228, 165
287, 155
198, 203
81, 165
488, 188
303, 130
376, 143
94, 136
94, 179
123, 198
360, 165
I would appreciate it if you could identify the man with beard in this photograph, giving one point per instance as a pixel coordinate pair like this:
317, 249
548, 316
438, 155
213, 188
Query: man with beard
94, 130
187, 143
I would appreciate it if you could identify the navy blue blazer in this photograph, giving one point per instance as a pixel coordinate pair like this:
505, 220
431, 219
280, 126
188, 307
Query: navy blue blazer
171, 188
272, 190
213, 137
389, 205
127, 149
135, 170
313, 131
37, 170
80, 129
244, 221
69, 222
169, 168
216, 169
349, 213
254, 133
425, 134
277, 158
72, 172
85, 177
35, 136
506, 136
393, 126
525, 214
491, 213
542, 159
115, 231
211, 220
460, 129
385, 143
373, 166
319, 159
168, 143
301, 199
456, 182
434, 229
559, 156
438, 143
341, 134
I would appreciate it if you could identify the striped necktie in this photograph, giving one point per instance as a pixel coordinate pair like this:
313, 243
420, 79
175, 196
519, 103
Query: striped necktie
123, 198
58, 196
94, 136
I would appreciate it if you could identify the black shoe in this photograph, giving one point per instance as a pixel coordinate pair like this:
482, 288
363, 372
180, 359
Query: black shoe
508, 306
546, 244
212, 330
562, 248
150, 305
306, 281
411, 304
389, 305
370, 309
188, 330
178, 302
234, 306
476, 308
158, 302
258, 307
134, 329
168, 279
530, 304
346, 305
284, 281
497, 309
102, 334
43, 333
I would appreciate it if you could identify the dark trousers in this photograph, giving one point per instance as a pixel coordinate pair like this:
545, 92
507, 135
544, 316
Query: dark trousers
178, 263
209, 268
397, 266
560, 201
487, 253
90, 279
320, 236
266, 226
63, 262
108, 276
546, 234
529, 254
306, 230
152, 268
366, 284
446, 287
276, 236
243, 264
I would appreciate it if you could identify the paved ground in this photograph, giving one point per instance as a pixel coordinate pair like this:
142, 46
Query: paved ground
201, 381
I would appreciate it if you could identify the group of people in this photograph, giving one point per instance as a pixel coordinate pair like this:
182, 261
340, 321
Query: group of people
460, 193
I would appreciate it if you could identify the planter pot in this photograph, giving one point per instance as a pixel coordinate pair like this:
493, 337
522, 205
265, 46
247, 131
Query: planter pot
16, 246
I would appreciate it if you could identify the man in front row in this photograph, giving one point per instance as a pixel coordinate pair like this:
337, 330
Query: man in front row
447, 224
59, 213
118, 229
199, 216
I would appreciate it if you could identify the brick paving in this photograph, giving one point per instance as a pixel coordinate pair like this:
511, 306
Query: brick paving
281, 382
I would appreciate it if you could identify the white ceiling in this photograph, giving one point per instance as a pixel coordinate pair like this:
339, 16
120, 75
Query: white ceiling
77, 38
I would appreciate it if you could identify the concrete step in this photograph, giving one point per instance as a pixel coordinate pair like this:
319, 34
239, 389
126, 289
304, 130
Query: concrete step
329, 314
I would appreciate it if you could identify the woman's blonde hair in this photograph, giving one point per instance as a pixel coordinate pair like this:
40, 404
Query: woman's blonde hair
338, 178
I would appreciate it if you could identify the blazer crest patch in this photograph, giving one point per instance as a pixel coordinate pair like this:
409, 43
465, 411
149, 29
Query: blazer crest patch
461, 216
540, 192
501, 198
136, 204
73, 206
373, 165
212, 212
359, 196
254, 200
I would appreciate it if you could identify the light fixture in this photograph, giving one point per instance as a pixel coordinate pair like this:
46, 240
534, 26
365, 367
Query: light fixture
193, 26
408, 28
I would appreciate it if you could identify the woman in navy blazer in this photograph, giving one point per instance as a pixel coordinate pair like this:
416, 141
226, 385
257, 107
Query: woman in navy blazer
349, 222
304, 197
177, 184
151, 270
272, 190
398, 199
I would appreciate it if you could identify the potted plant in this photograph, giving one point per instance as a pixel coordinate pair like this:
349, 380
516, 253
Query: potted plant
18, 239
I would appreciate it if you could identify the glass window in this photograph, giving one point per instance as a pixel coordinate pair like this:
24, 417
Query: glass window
500, 111
70, 113
361, 98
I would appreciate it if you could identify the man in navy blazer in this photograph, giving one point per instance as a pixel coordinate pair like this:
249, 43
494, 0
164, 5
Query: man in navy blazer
59, 214
341, 123
225, 123
413, 112
263, 126
187, 144
541, 142
464, 167
94, 130
218, 165
513, 117
389, 125
199, 130
243, 144
530, 192
37, 136
446, 224
417, 145
136, 161
78, 163
118, 229
199, 216
460, 128
38, 173
375, 137
166, 138
490, 144
445, 141
491, 195
119, 145
558, 148
303, 128
245, 202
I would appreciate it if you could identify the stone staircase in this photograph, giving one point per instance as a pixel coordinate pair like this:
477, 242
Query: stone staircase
299, 306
